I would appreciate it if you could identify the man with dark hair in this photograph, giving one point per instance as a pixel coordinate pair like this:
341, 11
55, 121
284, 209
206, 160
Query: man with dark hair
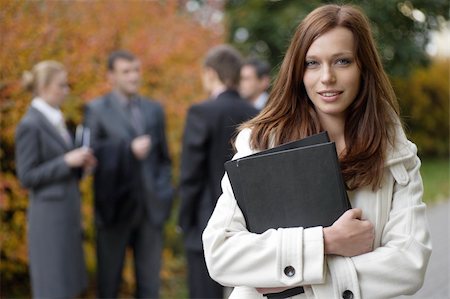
119, 55
210, 126
255, 80
132, 183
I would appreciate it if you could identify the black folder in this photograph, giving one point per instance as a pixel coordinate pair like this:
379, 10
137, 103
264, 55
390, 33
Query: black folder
298, 184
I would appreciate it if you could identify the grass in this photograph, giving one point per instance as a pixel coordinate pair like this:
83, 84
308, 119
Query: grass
436, 179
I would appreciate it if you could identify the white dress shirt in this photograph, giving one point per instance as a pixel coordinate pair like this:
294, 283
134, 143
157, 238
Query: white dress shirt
261, 101
54, 116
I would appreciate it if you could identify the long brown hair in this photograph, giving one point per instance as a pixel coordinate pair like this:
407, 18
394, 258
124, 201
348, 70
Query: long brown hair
371, 118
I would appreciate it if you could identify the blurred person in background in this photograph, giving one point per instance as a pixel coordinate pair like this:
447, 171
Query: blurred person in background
210, 126
49, 167
132, 183
255, 81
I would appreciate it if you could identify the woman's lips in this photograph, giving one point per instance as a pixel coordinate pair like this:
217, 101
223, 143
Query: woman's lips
330, 95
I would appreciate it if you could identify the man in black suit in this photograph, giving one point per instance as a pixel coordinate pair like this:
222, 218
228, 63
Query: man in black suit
132, 183
210, 126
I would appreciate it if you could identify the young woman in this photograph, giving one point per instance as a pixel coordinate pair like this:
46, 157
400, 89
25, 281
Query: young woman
47, 165
331, 79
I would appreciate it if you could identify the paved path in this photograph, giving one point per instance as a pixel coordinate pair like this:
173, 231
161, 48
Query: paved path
437, 279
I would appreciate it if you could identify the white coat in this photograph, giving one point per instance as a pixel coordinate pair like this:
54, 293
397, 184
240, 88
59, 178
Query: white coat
402, 246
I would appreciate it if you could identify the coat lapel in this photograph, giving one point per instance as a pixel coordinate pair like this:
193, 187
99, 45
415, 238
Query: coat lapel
119, 119
147, 114
49, 127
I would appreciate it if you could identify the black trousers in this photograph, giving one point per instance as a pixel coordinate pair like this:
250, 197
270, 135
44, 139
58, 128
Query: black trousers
146, 242
201, 285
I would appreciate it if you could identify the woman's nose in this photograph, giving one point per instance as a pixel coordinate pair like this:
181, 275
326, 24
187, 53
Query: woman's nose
328, 76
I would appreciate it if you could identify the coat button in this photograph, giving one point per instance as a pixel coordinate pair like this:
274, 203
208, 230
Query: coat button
347, 294
289, 271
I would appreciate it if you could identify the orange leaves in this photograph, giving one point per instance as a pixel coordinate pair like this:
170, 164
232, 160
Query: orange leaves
81, 34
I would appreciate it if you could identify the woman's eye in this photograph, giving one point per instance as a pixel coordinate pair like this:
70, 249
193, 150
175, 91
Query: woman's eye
343, 61
310, 63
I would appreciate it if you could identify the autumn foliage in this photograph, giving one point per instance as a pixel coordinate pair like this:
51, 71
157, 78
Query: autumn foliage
424, 99
170, 43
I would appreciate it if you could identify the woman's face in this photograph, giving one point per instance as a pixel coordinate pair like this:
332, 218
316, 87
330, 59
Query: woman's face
332, 76
57, 90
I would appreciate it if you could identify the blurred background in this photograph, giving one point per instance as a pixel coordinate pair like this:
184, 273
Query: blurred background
170, 38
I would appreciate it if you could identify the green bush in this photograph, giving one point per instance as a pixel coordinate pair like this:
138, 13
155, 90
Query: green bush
424, 102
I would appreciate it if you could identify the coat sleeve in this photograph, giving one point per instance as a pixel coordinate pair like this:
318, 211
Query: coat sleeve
398, 266
193, 166
91, 121
32, 172
236, 257
164, 176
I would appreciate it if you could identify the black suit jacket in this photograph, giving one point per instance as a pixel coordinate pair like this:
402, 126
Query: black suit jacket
210, 126
123, 185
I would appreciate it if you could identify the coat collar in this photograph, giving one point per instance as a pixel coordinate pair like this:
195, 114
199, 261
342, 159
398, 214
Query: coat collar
54, 115
48, 127
401, 150
123, 122
228, 94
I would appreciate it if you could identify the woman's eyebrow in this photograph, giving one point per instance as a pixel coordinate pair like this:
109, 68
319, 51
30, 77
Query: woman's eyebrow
343, 53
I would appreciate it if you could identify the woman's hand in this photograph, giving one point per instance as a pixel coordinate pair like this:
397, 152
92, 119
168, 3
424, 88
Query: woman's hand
349, 235
80, 157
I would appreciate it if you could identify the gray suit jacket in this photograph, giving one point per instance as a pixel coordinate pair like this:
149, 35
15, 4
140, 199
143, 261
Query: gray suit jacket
123, 185
54, 220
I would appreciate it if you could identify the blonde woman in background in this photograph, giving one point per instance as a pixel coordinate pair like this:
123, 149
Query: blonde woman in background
49, 166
